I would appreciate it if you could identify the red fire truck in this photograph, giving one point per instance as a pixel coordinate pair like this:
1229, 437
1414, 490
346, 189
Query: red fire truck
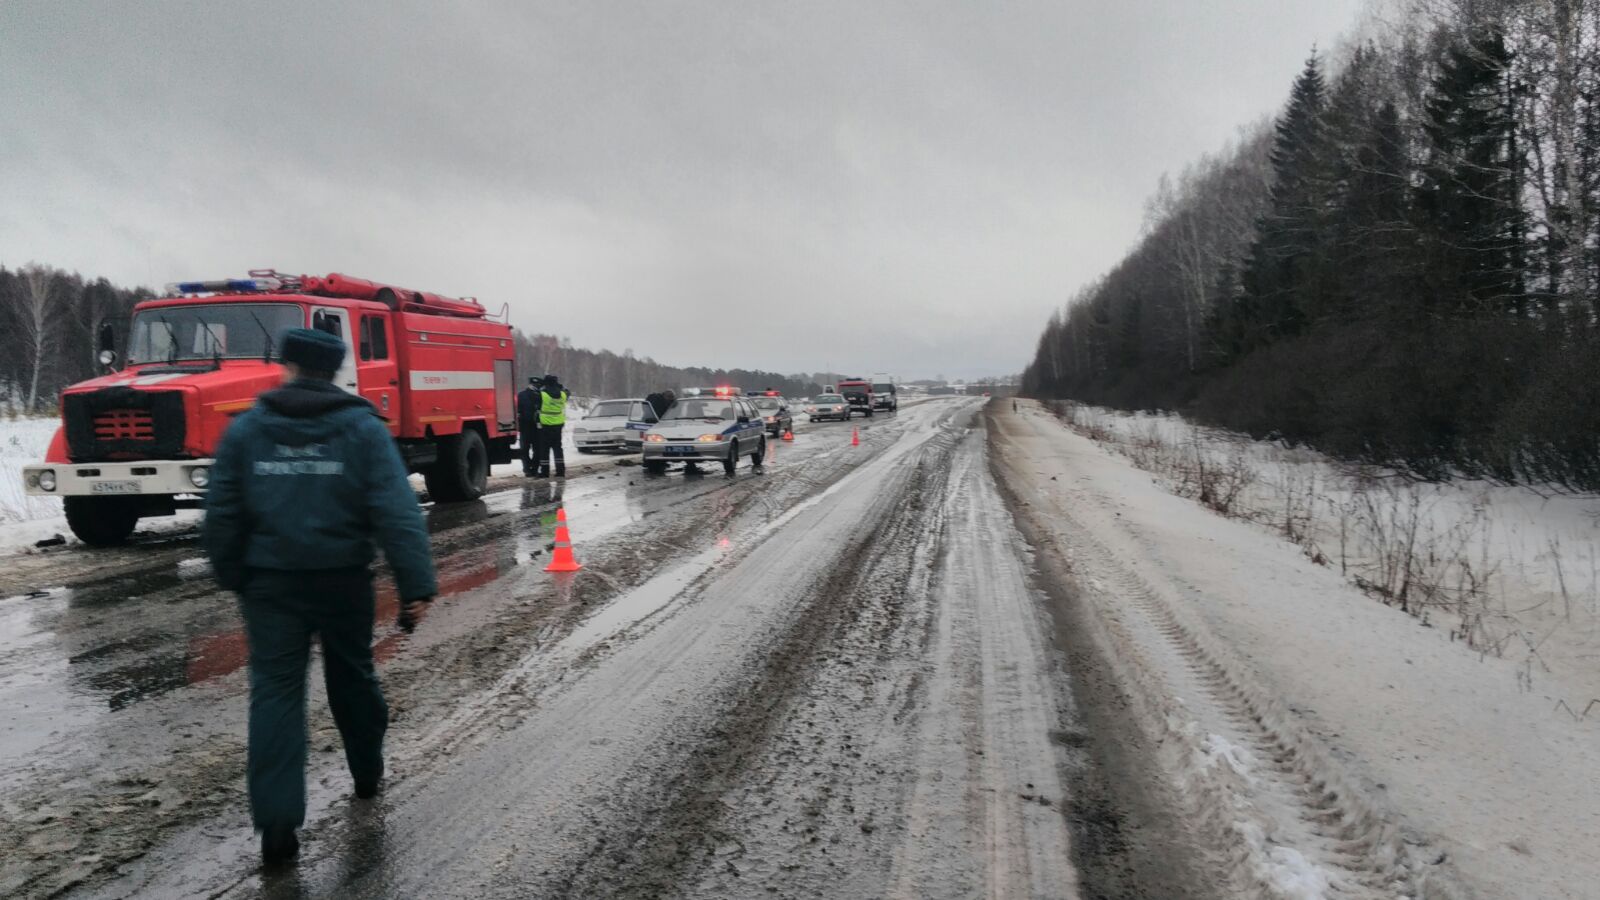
858, 394
139, 442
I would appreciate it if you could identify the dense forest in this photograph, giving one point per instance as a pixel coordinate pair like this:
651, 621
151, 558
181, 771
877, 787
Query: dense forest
1401, 268
49, 320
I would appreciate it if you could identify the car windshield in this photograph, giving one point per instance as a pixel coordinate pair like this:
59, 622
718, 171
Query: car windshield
713, 408
766, 403
609, 409
229, 330
882, 388
830, 398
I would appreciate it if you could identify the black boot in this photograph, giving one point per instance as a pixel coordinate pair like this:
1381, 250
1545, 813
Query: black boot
366, 790
278, 845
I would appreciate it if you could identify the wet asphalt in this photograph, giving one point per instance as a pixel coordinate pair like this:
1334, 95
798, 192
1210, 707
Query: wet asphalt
755, 687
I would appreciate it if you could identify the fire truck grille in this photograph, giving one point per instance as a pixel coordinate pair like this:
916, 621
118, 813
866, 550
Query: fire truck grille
124, 423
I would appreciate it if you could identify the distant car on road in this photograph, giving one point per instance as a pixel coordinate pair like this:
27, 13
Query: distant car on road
614, 425
709, 425
828, 406
775, 412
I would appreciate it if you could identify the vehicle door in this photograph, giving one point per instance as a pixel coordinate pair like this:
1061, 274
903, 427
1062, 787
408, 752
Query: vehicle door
640, 417
751, 424
336, 321
377, 372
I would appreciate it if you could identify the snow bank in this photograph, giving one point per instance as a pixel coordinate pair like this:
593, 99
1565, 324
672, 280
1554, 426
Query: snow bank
23, 441
1509, 571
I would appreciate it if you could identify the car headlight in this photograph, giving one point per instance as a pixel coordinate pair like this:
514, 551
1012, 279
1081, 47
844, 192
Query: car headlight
654, 438
771, 419
199, 476
47, 479
710, 438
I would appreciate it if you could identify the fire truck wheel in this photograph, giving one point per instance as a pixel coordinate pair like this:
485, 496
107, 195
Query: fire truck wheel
462, 471
101, 521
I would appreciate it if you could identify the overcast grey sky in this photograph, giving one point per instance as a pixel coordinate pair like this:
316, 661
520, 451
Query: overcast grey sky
906, 187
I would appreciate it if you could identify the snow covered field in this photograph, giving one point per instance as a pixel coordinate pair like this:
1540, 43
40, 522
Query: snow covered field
1510, 572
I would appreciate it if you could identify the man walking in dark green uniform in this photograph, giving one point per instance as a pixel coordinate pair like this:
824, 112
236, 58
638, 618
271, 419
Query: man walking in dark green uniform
304, 484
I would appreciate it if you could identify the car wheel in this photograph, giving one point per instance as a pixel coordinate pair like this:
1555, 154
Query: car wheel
761, 453
732, 462
655, 467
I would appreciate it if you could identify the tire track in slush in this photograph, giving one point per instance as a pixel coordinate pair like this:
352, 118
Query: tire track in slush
915, 758
994, 699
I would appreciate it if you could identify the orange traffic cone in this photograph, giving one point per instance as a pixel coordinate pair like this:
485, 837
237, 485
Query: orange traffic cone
855, 437
788, 434
562, 560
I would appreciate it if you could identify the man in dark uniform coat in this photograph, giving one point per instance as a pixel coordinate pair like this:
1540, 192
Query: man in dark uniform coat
305, 483
528, 424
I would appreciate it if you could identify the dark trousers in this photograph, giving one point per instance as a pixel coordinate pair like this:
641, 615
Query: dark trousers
282, 610
528, 447
550, 446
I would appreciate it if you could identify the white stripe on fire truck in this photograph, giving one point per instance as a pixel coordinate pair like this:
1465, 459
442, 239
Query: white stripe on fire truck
452, 381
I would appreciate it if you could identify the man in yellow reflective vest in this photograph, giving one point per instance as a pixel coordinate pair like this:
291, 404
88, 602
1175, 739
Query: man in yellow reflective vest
552, 418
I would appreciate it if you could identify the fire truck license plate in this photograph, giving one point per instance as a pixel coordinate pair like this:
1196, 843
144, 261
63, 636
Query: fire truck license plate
116, 487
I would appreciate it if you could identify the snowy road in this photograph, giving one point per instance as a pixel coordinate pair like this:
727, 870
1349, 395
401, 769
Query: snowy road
976, 656
830, 679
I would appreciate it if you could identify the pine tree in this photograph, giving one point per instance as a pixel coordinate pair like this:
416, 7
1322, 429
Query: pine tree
1468, 202
1275, 273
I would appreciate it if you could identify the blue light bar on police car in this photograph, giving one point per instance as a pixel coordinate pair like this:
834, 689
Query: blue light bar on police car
224, 286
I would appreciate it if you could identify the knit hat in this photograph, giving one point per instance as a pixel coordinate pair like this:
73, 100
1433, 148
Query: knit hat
311, 349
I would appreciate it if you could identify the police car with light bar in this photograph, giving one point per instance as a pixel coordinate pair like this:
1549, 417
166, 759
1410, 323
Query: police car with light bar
706, 425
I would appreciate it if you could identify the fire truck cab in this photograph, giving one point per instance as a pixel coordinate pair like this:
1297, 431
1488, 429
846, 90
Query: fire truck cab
140, 442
